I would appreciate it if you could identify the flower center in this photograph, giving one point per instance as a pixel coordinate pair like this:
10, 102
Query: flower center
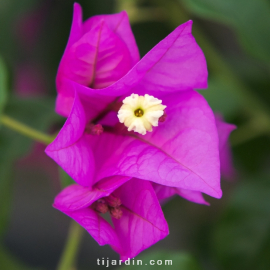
138, 113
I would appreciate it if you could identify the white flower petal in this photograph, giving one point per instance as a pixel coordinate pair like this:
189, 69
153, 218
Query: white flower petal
152, 110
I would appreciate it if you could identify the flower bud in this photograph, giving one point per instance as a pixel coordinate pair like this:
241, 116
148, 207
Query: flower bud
94, 129
116, 212
162, 118
100, 206
113, 201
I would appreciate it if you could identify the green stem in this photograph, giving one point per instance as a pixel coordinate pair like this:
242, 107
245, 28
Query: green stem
70, 252
25, 130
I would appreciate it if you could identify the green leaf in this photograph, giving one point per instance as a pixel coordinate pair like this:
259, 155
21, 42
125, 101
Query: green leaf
249, 18
180, 261
3, 85
242, 237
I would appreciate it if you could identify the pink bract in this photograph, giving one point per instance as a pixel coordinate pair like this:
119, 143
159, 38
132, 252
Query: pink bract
164, 193
99, 52
226, 166
142, 223
174, 64
224, 130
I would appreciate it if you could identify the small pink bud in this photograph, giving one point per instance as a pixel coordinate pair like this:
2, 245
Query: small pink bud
94, 129
100, 206
163, 118
113, 201
116, 212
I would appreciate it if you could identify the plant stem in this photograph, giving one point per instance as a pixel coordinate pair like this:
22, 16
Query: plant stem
70, 252
25, 130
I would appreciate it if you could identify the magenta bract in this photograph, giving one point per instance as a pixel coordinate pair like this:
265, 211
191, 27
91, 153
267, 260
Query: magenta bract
140, 225
224, 130
164, 193
175, 64
99, 52
226, 167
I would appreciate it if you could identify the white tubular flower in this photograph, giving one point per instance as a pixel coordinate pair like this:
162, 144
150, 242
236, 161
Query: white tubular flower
140, 113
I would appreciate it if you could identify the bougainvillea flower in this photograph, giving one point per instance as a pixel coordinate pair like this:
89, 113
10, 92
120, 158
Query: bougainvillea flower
181, 152
99, 52
138, 221
226, 166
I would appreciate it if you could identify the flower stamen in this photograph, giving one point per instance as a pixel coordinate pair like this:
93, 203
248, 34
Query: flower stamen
138, 113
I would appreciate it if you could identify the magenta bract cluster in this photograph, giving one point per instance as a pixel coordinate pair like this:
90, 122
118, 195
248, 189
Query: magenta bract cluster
99, 68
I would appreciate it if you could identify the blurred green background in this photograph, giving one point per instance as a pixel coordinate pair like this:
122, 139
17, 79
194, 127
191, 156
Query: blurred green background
234, 232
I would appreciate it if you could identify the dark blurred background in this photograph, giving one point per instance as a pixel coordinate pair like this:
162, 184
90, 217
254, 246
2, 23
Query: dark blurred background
234, 232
